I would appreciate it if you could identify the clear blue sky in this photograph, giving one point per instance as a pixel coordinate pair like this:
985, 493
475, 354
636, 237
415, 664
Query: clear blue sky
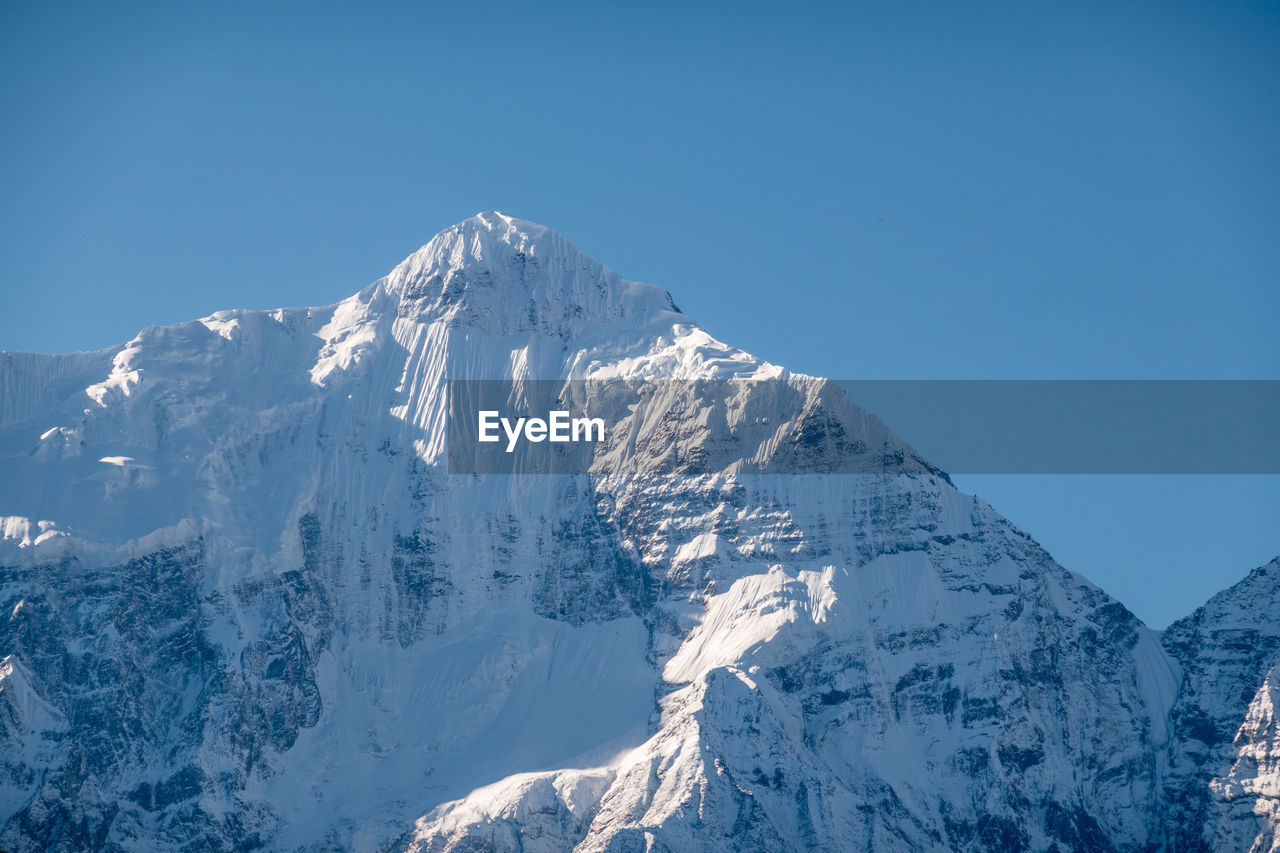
878, 190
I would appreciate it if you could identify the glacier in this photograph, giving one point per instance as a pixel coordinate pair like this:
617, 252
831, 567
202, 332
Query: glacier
244, 605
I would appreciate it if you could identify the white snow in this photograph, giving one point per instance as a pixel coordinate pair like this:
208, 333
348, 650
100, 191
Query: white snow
118, 461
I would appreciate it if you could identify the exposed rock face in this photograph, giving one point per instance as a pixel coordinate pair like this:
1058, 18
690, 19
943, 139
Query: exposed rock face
243, 605
1226, 650
1254, 779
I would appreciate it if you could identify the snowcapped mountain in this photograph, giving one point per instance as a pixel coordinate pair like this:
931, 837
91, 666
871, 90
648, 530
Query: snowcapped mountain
244, 605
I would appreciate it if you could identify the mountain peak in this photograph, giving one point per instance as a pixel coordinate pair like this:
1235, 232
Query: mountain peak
487, 240
494, 267
497, 233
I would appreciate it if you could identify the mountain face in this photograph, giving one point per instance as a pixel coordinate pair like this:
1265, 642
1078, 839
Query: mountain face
1221, 649
244, 605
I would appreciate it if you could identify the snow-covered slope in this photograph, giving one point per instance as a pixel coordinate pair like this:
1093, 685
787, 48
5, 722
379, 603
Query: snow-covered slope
243, 604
